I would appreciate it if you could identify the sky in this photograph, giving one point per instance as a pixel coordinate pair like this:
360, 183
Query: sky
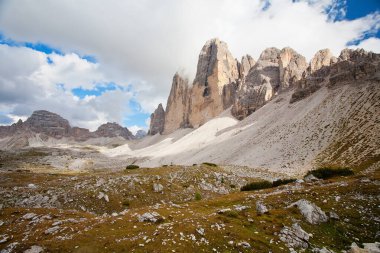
98, 61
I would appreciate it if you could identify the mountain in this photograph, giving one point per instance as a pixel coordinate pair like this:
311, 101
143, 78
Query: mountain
45, 125
283, 114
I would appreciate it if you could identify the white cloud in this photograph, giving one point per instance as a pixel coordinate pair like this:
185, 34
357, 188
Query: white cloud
29, 82
371, 44
135, 128
144, 43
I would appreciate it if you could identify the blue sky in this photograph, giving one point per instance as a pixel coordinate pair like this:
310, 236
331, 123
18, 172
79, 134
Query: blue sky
114, 65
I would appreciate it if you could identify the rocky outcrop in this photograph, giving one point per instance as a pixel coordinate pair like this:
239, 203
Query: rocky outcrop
48, 123
262, 81
292, 65
216, 68
295, 236
111, 130
177, 107
352, 65
321, 59
247, 62
157, 121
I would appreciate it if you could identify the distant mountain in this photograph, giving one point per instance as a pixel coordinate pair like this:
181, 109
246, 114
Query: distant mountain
50, 125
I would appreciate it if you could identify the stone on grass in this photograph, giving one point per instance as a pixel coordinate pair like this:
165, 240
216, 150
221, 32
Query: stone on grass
34, 249
261, 208
312, 213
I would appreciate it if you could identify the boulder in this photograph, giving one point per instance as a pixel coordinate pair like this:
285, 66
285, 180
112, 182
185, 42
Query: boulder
294, 236
261, 208
312, 213
150, 217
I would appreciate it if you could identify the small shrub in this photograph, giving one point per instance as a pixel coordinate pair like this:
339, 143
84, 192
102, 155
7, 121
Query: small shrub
232, 186
328, 172
198, 196
165, 165
194, 164
283, 181
132, 167
210, 164
231, 214
126, 203
256, 186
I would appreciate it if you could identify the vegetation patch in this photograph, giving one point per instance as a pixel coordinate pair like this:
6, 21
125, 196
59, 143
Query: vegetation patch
198, 196
210, 164
256, 186
328, 172
283, 181
132, 167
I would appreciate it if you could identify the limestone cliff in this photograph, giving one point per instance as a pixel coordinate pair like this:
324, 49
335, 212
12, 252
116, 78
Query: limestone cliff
157, 121
216, 68
177, 107
292, 65
262, 81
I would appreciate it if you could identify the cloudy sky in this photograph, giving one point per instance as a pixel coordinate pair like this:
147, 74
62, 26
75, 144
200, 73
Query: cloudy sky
93, 61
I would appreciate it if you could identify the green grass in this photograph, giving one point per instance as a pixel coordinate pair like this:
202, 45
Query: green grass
329, 172
198, 196
210, 164
132, 167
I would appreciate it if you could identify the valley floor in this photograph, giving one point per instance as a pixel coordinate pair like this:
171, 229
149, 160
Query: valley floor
195, 208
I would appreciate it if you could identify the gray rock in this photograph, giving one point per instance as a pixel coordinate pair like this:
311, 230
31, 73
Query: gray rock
310, 178
244, 245
295, 236
29, 216
333, 215
150, 217
34, 249
52, 230
368, 248
261, 208
158, 187
312, 213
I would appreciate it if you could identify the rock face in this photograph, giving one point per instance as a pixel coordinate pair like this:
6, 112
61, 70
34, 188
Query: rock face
216, 68
113, 130
177, 107
48, 123
292, 65
262, 81
247, 62
157, 121
322, 58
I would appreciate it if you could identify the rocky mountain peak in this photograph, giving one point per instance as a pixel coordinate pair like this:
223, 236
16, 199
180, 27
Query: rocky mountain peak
49, 123
269, 55
323, 57
292, 65
247, 62
113, 130
216, 69
177, 106
157, 121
